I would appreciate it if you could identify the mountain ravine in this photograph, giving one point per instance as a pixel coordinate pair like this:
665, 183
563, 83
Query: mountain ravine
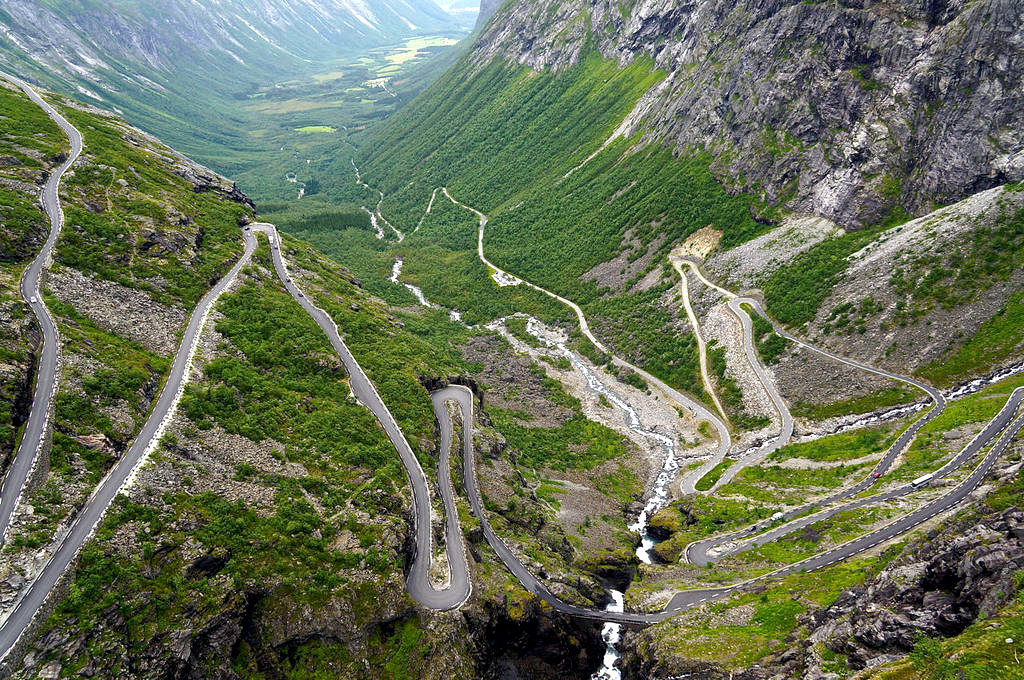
633, 340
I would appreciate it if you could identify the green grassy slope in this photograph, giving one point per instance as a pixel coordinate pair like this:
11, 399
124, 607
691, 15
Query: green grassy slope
324, 535
131, 221
274, 493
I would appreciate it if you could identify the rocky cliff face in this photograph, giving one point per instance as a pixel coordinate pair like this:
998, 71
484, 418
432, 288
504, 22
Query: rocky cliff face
487, 10
962, 572
851, 111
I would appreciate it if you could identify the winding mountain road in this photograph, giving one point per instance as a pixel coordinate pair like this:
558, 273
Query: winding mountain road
35, 430
785, 417
698, 410
688, 599
96, 505
89, 517
682, 600
954, 497
688, 483
735, 304
418, 582
702, 350
697, 552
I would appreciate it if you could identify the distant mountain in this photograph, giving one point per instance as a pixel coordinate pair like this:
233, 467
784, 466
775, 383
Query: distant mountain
173, 66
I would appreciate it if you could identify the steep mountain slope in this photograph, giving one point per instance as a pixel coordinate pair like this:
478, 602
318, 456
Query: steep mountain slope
959, 578
557, 121
176, 68
598, 139
30, 147
270, 535
849, 111
269, 532
505, 141
146, 231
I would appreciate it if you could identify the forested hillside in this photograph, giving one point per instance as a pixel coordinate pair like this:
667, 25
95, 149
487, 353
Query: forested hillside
732, 293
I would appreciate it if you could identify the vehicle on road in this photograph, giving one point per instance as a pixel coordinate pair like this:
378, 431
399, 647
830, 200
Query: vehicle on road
777, 516
877, 475
922, 480
33, 299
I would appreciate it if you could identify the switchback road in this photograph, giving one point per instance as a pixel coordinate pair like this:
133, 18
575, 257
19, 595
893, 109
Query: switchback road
96, 505
459, 587
418, 581
697, 409
688, 599
34, 433
702, 352
697, 552
785, 417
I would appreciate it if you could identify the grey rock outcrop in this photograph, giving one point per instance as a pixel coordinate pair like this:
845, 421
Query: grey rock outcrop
204, 180
960, 573
487, 10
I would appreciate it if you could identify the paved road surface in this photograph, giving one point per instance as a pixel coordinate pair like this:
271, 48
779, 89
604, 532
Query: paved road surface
463, 398
697, 552
418, 582
697, 409
96, 505
945, 502
687, 599
46, 374
688, 484
737, 542
785, 417
702, 351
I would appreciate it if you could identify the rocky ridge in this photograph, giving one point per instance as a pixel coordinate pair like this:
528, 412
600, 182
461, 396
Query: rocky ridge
853, 112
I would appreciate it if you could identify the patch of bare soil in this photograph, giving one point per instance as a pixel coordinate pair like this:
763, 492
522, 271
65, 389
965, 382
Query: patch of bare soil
124, 311
749, 263
616, 272
700, 243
